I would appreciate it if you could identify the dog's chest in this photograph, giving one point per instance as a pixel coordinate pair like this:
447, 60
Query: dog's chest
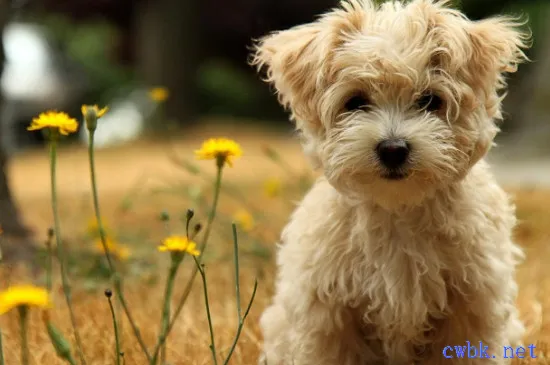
392, 275
380, 263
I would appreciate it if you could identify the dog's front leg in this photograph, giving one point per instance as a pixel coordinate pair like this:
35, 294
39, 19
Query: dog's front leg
313, 334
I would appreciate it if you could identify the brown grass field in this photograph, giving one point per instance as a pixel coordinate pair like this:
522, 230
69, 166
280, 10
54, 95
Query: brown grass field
136, 183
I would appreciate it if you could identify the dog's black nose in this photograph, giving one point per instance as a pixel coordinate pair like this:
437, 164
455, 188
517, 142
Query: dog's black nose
393, 153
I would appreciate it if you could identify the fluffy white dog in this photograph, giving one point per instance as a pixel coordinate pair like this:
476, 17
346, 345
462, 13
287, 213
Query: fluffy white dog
403, 247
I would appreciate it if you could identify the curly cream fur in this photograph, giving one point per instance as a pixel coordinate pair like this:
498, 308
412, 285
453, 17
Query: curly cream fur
378, 271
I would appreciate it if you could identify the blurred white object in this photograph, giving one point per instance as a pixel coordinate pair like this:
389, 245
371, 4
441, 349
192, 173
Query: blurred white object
36, 77
124, 121
29, 72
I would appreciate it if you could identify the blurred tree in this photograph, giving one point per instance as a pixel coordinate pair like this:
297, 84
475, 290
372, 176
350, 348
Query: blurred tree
10, 219
167, 43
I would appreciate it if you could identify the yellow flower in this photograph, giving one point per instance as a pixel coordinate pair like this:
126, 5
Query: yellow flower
55, 121
94, 109
93, 227
91, 114
120, 251
159, 94
221, 149
245, 220
272, 187
23, 295
179, 244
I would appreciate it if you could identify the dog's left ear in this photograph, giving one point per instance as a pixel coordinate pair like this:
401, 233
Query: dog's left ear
497, 49
498, 45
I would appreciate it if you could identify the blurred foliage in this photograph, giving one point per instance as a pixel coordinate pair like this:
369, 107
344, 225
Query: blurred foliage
88, 45
229, 90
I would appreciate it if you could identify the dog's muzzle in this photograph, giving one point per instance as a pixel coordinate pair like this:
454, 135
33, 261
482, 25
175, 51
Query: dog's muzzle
393, 154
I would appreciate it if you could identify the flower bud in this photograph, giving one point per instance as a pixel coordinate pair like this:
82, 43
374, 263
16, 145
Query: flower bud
91, 115
62, 347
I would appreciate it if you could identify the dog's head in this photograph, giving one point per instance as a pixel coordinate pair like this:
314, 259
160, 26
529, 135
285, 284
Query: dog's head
397, 100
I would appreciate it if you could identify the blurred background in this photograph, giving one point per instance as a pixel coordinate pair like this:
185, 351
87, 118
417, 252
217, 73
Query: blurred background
60, 54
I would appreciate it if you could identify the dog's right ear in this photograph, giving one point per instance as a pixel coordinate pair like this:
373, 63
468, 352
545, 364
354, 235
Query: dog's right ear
294, 60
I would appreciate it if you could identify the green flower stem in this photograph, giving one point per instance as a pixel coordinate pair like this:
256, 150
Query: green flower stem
60, 246
236, 262
211, 215
120, 324
232, 191
165, 319
135, 329
1, 350
166, 314
96, 203
241, 318
202, 247
49, 265
23, 320
117, 341
200, 268
117, 279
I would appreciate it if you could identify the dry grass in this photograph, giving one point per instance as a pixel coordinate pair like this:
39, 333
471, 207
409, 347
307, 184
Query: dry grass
145, 164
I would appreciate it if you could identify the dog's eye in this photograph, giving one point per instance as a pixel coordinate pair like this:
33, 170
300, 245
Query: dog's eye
429, 102
356, 102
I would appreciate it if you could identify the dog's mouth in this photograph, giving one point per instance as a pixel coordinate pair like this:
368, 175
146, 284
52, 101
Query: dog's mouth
395, 175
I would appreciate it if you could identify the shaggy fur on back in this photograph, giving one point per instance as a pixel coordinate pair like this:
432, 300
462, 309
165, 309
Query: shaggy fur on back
390, 266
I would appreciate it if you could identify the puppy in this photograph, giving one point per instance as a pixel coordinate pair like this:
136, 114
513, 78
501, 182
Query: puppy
402, 250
